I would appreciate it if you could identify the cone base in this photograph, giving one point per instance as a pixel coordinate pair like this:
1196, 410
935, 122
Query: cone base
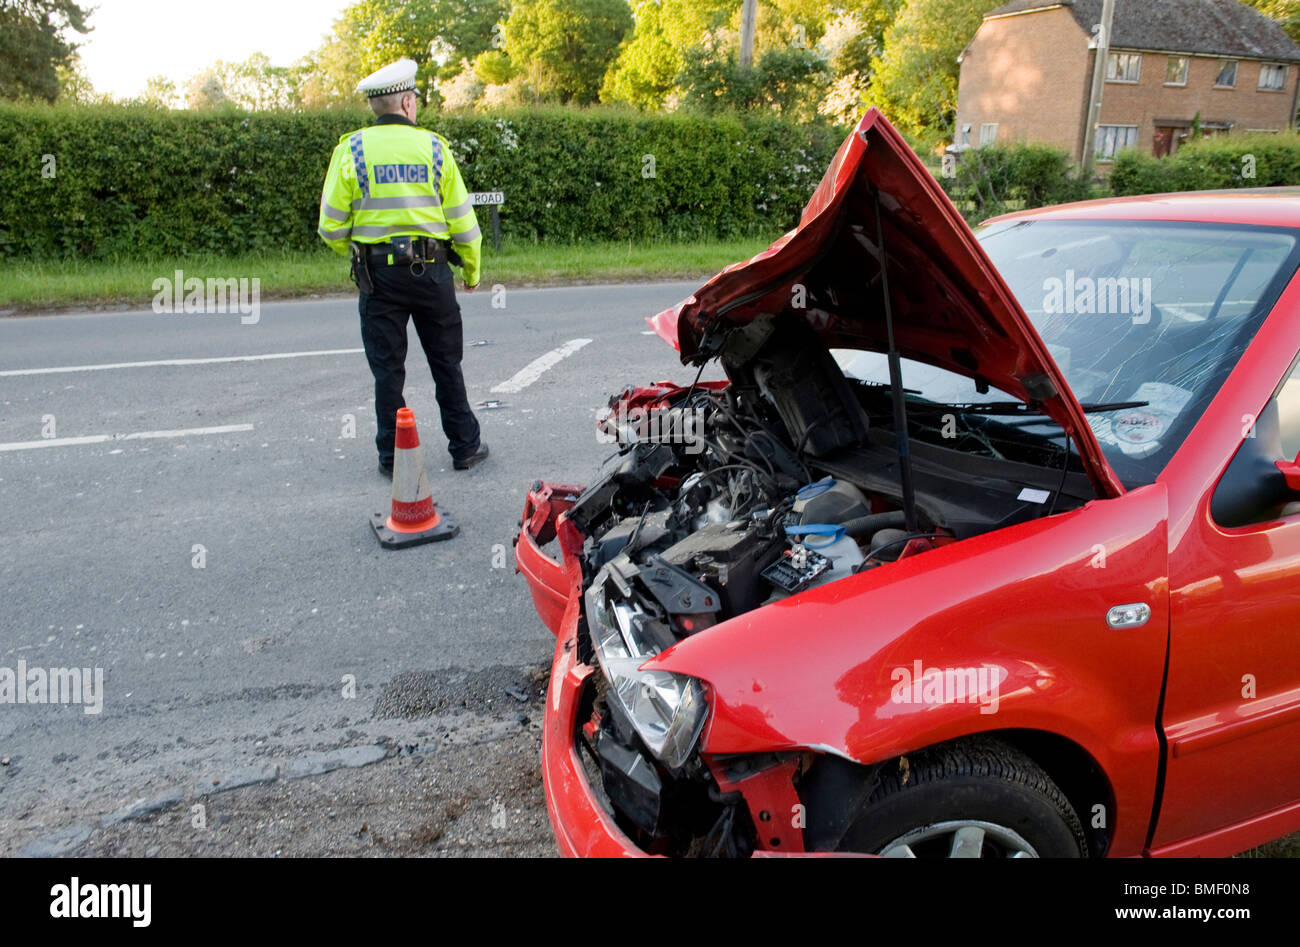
446, 529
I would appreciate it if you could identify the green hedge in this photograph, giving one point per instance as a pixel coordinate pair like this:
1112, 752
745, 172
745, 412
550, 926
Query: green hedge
997, 179
132, 181
1211, 164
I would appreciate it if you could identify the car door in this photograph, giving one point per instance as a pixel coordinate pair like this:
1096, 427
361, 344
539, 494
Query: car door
1231, 716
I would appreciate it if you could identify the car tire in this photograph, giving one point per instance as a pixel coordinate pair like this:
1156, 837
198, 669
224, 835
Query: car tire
978, 798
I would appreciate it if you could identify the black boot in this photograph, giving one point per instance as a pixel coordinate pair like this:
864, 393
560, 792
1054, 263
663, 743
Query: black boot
465, 463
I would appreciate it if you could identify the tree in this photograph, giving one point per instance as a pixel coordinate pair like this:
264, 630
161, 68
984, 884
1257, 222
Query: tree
851, 41
329, 74
518, 93
256, 85
466, 28
462, 91
566, 46
253, 84
205, 91
793, 81
648, 65
914, 80
789, 80
671, 35
34, 43
75, 87
494, 67
711, 82
857, 35
436, 34
160, 92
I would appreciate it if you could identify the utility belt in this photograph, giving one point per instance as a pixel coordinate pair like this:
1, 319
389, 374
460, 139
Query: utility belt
414, 252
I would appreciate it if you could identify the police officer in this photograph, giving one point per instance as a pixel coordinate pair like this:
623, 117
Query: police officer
395, 203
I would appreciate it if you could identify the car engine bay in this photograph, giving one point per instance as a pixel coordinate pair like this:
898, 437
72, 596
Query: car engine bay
715, 483
730, 495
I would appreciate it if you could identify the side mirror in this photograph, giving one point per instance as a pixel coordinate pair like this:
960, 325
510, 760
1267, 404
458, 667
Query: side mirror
1291, 471
1251, 490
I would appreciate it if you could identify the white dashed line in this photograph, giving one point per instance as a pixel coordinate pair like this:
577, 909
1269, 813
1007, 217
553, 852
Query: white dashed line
137, 436
538, 367
168, 362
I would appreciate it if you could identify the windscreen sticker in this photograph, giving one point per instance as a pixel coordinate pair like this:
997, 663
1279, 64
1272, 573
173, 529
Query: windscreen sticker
1138, 427
1138, 431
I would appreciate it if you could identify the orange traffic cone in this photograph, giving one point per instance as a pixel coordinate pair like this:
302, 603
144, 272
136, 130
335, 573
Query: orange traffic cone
414, 519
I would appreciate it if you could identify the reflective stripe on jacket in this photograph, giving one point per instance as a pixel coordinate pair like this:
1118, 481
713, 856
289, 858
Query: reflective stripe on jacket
392, 180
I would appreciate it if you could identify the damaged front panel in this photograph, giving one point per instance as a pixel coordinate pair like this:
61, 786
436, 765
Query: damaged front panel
788, 481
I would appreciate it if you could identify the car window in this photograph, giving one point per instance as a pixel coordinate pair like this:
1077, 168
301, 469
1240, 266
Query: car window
937, 384
928, 383
1189, 276
1142, 311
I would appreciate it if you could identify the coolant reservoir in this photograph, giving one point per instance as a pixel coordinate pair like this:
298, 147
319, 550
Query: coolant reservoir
830, 501
829, 540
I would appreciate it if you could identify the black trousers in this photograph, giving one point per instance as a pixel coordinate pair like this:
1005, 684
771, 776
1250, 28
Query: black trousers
430, 300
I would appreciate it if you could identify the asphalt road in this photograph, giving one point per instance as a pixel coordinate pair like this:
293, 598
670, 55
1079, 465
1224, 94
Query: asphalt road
245, 660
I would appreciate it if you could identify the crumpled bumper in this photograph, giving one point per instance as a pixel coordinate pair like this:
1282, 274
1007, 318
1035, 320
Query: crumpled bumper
583, 824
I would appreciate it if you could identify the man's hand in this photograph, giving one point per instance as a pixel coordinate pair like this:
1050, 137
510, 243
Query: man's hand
468, 288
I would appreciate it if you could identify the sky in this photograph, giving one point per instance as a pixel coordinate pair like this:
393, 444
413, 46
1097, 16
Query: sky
136, 39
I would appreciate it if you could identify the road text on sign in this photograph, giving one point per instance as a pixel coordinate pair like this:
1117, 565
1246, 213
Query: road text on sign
478, 198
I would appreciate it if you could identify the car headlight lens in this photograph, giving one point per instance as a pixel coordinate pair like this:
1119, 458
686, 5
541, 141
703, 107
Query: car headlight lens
668, 710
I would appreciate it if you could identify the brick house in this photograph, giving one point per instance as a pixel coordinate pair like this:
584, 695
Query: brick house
1027, 73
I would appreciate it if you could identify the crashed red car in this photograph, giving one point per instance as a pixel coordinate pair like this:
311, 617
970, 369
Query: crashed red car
984, 547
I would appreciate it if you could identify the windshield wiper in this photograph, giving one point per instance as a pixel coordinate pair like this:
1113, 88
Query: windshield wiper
1113, 406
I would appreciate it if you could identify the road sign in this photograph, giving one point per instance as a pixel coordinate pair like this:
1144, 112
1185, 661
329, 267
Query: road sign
492, 199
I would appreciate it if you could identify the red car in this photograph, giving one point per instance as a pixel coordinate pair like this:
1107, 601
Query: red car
991, 550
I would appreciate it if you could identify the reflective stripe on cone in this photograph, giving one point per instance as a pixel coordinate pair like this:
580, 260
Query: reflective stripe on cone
413, 509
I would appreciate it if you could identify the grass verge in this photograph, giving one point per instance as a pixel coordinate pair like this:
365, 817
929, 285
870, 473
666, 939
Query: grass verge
27, 286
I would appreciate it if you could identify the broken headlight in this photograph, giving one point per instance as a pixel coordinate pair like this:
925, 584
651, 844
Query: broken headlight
667, 710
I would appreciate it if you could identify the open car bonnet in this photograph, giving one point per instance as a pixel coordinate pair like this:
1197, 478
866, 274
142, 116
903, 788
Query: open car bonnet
951, 308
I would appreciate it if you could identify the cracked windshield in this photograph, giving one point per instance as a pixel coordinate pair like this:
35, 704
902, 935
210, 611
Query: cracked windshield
1145, 320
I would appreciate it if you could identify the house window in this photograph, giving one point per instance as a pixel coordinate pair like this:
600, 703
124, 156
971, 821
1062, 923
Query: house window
1124, 67
1176, 71
1112, 139
1227, 75
1272, 77
988, 133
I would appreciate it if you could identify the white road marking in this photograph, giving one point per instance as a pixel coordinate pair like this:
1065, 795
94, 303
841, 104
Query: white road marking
167, 362
136, 436
538, 367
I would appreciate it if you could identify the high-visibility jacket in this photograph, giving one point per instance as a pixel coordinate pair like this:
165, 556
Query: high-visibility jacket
395, 179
